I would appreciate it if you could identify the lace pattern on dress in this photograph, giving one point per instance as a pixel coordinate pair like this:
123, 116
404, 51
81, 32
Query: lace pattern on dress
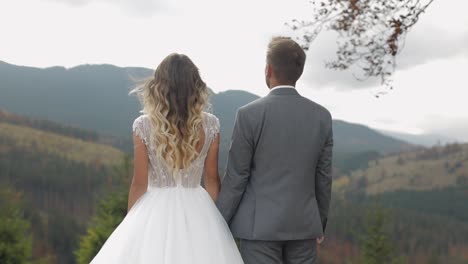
159, 175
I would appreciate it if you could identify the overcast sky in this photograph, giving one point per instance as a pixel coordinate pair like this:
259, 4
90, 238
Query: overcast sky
227, 40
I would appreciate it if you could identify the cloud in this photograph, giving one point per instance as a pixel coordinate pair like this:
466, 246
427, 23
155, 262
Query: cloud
429, 43
73, 2
436, 36
317, 75
422, 45
455, 127
137, 7
429, 98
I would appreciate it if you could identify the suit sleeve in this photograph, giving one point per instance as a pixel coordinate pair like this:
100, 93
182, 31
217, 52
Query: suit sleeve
238, 168
323, 177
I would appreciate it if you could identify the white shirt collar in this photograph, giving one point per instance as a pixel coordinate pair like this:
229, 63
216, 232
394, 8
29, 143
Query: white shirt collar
282, 86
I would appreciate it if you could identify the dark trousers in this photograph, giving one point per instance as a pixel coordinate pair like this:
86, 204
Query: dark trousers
279, 252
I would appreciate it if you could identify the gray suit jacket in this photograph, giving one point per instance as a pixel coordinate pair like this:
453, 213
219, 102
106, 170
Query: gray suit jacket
278, 179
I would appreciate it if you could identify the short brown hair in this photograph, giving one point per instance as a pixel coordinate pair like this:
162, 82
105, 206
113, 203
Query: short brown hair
286, 58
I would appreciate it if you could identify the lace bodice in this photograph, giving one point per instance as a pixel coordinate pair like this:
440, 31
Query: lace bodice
159, 175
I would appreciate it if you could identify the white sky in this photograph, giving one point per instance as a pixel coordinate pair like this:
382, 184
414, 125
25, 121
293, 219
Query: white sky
227, 40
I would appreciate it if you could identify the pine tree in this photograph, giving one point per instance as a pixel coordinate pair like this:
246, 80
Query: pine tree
376, 245
110, 212
15, 238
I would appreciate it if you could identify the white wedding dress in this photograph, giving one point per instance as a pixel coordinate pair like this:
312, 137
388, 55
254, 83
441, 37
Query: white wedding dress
175, 221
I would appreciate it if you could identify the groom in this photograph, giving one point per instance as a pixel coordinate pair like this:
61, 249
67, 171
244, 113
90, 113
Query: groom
276, 192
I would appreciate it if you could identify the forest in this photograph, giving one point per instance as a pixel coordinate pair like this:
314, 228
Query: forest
66, 191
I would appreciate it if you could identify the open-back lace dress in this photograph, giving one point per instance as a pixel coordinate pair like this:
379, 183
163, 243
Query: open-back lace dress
175, 221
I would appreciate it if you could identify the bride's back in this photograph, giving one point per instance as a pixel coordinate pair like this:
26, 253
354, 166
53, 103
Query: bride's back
160, 174
174, 128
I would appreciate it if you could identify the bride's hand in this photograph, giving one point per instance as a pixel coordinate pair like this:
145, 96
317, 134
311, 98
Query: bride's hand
320, 240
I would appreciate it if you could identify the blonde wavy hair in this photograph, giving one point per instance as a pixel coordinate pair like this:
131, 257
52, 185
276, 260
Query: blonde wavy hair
174, 100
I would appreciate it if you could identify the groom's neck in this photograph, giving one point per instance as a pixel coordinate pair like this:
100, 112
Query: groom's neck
276, 84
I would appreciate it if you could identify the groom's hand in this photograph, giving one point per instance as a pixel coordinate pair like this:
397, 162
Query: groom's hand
320, 240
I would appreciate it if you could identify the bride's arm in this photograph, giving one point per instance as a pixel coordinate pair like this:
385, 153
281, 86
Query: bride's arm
140, 172
212, 182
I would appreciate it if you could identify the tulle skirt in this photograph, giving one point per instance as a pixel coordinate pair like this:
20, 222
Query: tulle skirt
171, 226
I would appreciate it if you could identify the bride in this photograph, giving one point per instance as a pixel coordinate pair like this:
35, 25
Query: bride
171, 218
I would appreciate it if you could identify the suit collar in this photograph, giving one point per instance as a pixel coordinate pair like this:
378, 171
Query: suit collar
282, 86
283, 91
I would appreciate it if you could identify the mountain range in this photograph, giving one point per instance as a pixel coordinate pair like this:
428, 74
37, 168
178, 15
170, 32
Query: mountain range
65, 137
96, 98
427, 140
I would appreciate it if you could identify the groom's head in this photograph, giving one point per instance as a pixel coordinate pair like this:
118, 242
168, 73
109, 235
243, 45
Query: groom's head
285, 62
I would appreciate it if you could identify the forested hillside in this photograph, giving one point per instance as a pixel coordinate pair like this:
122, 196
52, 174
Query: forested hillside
427, 191
61, 178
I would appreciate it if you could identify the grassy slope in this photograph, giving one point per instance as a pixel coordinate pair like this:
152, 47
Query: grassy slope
425, 169
66, 147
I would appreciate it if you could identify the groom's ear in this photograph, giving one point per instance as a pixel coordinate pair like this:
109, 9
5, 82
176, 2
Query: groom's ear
268, 70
